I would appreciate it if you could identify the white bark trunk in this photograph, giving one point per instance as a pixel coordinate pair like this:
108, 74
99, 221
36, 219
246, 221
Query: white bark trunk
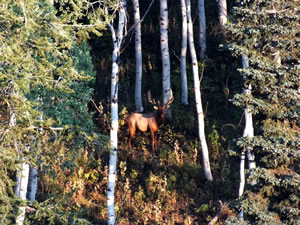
22, 174
138, 55
222, 5
164, 46
112, 170
33, 173
249, 130
21, 192
242, 173
184, 87
202, 29
33, 183
205, 155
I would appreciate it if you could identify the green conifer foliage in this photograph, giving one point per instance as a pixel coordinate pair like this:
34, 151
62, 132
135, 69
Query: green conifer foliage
268, 33
44, 73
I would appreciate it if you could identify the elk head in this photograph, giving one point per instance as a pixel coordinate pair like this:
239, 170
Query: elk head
148, 121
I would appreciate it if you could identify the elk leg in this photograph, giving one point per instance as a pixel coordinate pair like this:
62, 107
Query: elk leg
153, 140
131, 134
157, 140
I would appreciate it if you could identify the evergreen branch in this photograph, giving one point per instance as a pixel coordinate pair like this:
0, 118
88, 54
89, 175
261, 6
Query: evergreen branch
78, 25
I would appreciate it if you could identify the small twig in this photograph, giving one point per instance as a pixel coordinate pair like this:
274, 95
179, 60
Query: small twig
228, 124
202, 72
176, 55
142, 19
217, 216
96, 107
241, 119
123, 201
132, 27
206, 109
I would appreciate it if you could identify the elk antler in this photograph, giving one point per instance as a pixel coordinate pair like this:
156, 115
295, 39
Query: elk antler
171, 98
152, 101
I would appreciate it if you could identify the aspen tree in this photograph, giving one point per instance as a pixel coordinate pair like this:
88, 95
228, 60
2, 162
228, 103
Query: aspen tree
184, 86
201, 126
138, 57
248, 133
202, 29
222, 7
112, 170
164, 46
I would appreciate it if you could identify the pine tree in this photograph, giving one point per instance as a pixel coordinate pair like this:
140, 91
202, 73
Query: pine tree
266, 32
44, 71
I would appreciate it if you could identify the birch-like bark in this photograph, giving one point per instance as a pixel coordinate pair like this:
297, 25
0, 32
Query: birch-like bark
202, 29
164, 46
22, 174
33, 173
138, 57
184, 86
112, 169
222, 6
33, 183
242, 173
242, 180
249, 130
205, 155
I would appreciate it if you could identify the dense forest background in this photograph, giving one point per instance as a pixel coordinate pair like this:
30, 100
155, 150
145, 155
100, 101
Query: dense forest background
55, 115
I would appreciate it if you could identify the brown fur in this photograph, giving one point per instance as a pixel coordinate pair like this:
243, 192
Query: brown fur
145, 121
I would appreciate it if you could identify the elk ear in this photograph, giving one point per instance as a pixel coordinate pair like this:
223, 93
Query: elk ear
155, 107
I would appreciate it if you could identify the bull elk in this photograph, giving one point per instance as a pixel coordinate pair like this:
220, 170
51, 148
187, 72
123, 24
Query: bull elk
145, 121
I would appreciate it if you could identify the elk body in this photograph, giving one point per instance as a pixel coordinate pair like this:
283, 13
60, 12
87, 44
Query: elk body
148, 121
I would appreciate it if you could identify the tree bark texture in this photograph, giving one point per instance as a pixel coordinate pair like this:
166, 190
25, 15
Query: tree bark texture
21, 191
22, 174
201, 127
117, 41
184, 86
33, 183
222, 5
202, 29
138, 57
249, 130
164, 46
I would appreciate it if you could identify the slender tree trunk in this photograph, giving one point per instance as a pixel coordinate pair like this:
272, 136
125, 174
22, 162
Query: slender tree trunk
222, 6
184, 86
202, 29
117, 40
164, 46
33, 183
242, 173
205, 155
138, 56
22, 173
249, 130
33, 173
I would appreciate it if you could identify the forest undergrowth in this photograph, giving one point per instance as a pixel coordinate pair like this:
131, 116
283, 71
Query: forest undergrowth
163, 187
